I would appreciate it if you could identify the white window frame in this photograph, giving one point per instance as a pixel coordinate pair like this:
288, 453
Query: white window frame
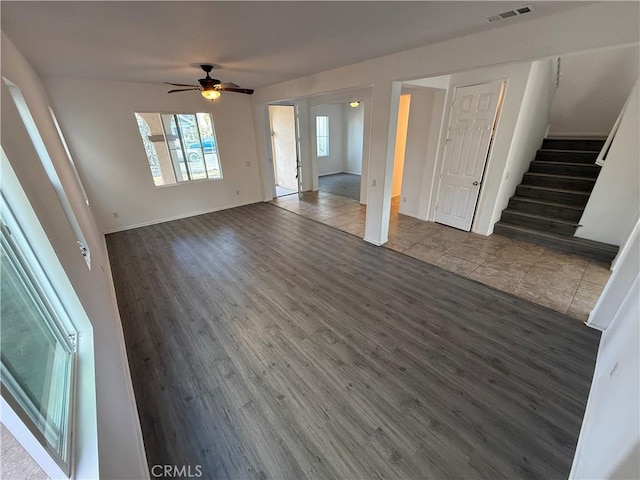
38, 253
324, 137
49, 167
72, 164
165, 145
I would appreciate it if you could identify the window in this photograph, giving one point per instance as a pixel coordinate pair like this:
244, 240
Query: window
47, 163
38, 353
69, 157
180, 147
322, 136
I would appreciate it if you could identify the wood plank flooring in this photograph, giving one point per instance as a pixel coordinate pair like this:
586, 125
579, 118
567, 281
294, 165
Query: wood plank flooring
266, 345
342, 184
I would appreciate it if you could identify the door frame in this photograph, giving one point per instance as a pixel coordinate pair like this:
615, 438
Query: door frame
444, 128
270, 146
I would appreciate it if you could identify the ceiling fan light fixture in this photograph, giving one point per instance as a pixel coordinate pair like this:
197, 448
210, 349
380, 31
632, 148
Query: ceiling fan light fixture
354, 104
210, 94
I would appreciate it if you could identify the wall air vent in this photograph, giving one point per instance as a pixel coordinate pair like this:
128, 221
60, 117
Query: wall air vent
510, 13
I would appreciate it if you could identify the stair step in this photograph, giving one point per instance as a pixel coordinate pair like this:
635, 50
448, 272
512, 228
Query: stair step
593, 144
568, 182
566, 228
570, 156
601, 252
559, 195
545, 207
589, 170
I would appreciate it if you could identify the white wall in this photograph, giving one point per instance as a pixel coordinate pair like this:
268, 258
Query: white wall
354, 138
400, 143
119, 439
334, 163
614, 203
531, 128
593, 87
609, 442
593, 26
102, 132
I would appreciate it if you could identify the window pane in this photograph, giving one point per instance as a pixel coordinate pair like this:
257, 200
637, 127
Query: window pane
192, 145
180, 147
150, 149
322, 136
36, 355
207, 134
172, 137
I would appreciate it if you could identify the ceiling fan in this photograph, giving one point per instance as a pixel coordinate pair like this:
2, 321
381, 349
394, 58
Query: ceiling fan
210, 87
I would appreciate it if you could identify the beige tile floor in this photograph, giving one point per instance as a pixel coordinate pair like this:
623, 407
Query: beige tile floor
563, 282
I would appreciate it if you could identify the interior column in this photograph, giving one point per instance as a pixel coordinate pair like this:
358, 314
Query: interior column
384, 120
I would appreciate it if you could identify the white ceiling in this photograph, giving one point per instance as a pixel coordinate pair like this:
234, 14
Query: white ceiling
255, 43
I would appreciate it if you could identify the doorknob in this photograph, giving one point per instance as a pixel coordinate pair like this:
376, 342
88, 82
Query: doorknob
476, 183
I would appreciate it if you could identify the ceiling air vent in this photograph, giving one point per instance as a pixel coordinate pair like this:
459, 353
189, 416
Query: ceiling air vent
510, 13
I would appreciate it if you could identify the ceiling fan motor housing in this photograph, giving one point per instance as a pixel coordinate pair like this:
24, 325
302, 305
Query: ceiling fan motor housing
209, 82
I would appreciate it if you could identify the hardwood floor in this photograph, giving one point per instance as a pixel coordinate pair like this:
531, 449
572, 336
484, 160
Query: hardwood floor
266, 345
341, 184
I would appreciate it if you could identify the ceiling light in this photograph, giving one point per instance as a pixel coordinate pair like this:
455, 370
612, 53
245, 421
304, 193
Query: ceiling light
210, 94
354, 104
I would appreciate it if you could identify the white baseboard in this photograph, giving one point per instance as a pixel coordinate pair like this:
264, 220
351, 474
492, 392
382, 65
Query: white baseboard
177, 217
374, 242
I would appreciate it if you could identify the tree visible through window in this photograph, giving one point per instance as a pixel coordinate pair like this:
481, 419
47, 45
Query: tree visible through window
322, 136
180, 147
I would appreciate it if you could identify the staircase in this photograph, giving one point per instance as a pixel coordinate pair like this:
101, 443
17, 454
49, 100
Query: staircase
549, 202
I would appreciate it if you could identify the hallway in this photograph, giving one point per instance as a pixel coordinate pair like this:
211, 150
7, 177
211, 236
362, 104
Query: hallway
565, 283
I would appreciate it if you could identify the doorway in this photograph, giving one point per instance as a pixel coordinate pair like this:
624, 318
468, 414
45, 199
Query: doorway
282, 122
339, 143
472, 123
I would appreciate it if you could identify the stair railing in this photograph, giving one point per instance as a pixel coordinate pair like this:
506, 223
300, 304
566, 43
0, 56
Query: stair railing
602, 156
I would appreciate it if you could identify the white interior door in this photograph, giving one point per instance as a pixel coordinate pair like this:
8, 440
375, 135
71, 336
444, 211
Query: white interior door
472, 118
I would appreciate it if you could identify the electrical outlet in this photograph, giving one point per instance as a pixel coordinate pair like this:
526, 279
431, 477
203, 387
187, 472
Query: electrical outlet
248, 163
404, 199
116, 214
237, 192
373, 182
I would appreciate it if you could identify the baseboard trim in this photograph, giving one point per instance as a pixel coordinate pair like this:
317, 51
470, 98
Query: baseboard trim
178, 217
374, 242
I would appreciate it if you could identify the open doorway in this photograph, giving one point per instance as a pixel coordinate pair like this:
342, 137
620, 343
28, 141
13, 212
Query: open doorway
282, 123
339, 140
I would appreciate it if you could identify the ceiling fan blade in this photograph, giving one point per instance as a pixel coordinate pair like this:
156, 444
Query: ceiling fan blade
228, 85
248, 91
182, 90
180, 84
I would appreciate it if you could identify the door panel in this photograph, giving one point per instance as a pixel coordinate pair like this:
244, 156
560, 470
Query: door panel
472, 118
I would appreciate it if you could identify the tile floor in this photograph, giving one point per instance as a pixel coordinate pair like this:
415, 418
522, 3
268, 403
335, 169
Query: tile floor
566, 283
